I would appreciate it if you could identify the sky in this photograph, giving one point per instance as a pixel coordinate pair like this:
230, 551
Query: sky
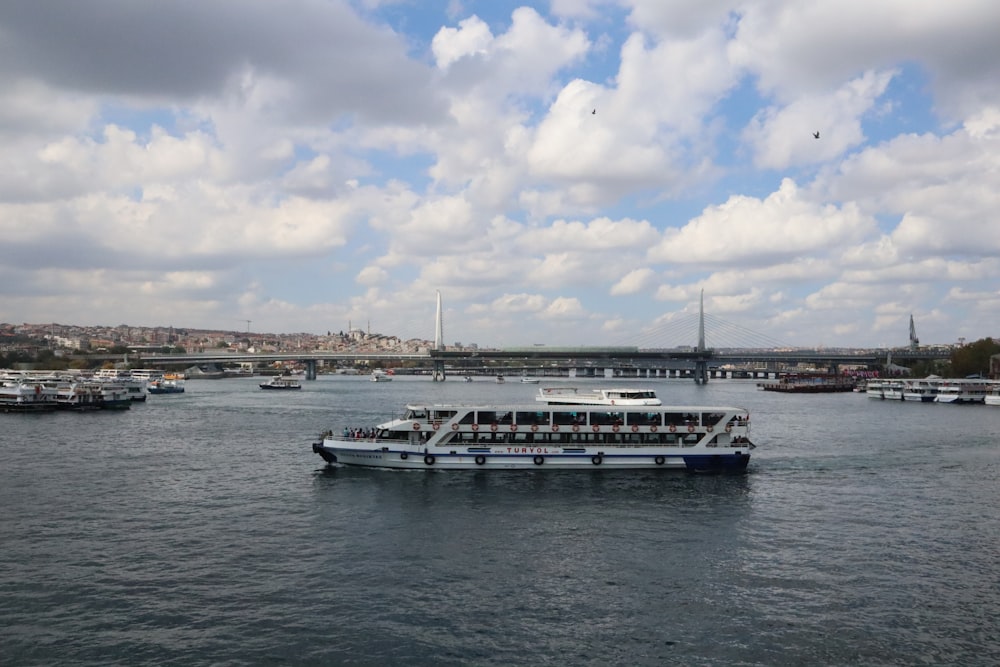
571, 172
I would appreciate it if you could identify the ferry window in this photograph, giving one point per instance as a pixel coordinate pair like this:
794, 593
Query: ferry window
565, 418
443, 414
467, 418
487, 416
675, 418
711, 418
532, 418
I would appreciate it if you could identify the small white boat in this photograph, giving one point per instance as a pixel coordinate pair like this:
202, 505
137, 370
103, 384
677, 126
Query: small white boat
379, 375
500, 379
281, 382
527, 380
874, 389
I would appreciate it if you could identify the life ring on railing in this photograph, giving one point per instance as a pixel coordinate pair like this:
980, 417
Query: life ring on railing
493, 426
690, 428
612, 401
454, 427
429, 459
597, 460
659, 460
475, 427
534, 427
480, 460
436, 425
635, 429
576, 428
513, 427
539, 460
555, 428
596, 428
709, 428
615, 428
729, 428
652, 429
673, 428
416, 426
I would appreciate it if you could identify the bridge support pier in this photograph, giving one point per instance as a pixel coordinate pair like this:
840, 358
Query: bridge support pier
438, 375
310, 369
701, 372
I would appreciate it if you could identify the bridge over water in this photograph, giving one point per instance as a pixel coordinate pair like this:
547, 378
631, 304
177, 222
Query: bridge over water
698, 363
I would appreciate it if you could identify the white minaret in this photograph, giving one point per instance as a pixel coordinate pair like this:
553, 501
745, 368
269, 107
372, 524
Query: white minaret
438, 325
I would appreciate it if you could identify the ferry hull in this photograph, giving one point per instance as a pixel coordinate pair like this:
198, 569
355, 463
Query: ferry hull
727, 461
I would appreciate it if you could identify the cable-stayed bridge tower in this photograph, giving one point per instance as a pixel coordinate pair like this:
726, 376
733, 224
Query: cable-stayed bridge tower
438, 373
701, 364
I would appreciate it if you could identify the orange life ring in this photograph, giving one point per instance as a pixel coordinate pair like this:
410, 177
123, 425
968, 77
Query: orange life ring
513, 427
709, 428
729, 428
576, 428
615, 428
690, 428
555, 428
596, 428
416, 427
652, 429
475, 427
534, 427
673, 428
493, 426
454, 427
635, 429
612, 401
436, 425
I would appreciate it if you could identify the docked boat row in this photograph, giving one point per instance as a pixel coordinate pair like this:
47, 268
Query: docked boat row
562, 430
934, 389
50, 393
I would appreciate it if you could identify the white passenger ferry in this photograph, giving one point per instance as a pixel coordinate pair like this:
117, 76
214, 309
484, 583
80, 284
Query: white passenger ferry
565, 437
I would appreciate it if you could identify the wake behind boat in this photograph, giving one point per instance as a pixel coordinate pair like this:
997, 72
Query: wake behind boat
569, 436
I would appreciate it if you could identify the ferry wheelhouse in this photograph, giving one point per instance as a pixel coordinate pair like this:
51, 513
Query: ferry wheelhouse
576, 396
565, 437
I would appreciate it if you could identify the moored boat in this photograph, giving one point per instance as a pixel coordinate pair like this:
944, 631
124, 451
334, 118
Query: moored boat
873, 388
25, 395
571, 436
379, 375
993, 394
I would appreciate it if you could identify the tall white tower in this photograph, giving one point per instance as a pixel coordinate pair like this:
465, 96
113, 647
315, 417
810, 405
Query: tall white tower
438, 325
438, 375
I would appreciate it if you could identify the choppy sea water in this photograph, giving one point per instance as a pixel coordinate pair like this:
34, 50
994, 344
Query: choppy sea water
201, 529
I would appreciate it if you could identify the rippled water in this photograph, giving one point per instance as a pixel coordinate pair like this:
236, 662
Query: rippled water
201, 529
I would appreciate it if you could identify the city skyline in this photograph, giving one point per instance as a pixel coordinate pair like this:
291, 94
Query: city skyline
574, 172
